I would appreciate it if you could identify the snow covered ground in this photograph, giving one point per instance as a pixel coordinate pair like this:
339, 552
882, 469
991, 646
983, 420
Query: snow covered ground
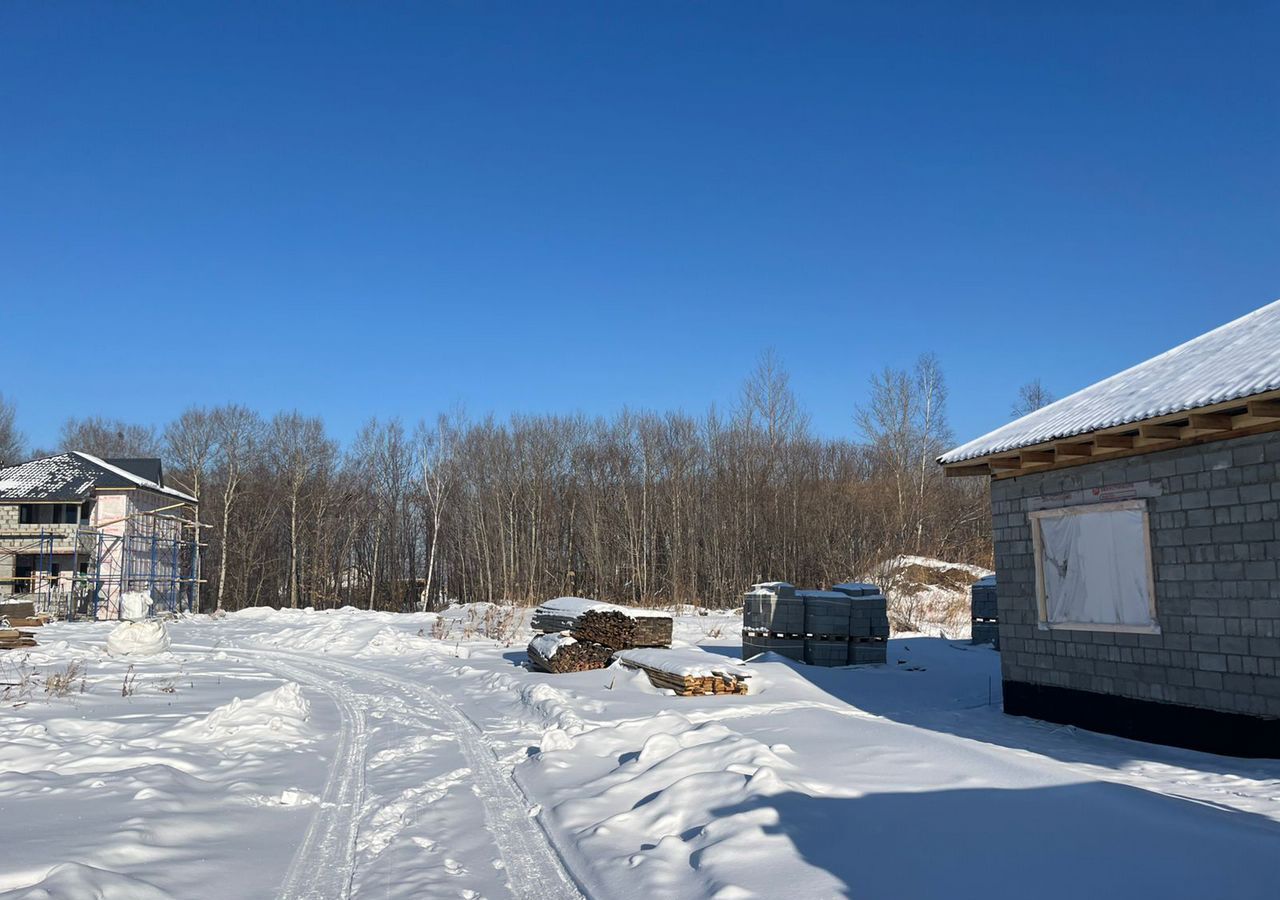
333, 754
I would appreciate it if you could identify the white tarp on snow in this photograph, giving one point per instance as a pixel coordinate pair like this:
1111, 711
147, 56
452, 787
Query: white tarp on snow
1095, 567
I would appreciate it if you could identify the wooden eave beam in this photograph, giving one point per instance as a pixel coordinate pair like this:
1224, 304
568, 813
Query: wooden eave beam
1207, 422
1263, 409
1005, 462
1113, 442
1037, 457
961, 471
1078, 449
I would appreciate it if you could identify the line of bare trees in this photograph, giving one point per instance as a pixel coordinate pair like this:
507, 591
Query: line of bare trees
637, 507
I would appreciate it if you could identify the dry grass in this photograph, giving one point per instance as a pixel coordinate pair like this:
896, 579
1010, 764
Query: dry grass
70, 680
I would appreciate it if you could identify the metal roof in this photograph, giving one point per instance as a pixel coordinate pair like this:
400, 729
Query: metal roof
72, 478
1238, 360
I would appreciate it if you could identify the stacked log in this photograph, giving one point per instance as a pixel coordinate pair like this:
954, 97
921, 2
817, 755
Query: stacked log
686, 672
12, 638
561, 614
560, 653
623, 629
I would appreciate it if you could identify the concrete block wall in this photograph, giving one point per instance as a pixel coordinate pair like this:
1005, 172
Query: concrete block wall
1215, 543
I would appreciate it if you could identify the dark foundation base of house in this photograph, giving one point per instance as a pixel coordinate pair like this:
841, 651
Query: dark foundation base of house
1231, 734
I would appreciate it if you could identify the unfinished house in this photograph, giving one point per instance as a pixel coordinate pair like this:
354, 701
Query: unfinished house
1136, 535
83, 536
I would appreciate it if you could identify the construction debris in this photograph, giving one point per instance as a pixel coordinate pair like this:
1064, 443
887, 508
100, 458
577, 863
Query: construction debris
559, 653
688, 672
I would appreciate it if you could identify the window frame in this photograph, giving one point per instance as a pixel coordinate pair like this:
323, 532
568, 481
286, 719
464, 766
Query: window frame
1037, 552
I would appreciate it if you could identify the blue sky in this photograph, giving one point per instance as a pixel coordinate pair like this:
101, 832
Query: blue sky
389, 209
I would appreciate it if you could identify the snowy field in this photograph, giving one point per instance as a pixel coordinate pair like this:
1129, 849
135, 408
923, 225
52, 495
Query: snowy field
327, 754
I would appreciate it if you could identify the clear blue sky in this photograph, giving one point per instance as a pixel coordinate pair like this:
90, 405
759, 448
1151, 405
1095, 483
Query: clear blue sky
386, 209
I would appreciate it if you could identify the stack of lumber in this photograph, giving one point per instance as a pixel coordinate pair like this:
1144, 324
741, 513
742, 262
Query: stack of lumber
559, 653
623, 628
561, 614
689, 672
20, 615
12, 638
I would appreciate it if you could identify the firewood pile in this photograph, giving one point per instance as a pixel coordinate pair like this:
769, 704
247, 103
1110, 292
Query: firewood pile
589, 631
560, 653
690, 673
623, 630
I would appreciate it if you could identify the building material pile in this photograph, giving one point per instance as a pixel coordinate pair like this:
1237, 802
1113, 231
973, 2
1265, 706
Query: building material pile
985, 628
20, 615
590, 631
559, 653
848, 625
689, 672
623, 629
13, 638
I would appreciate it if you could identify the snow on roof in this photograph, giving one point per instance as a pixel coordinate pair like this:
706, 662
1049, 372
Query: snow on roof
1237, 360
70, 477
575, 606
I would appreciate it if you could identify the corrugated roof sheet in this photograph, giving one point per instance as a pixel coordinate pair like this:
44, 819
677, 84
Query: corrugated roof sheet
1235, 361
70, 477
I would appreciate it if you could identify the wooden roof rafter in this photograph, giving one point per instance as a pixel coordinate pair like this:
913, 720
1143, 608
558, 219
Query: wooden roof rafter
1217, 422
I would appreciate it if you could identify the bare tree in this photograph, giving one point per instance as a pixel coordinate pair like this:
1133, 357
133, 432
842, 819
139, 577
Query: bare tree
11, 440
107, 438
298, 451
435, 460
238, 432
1031, 396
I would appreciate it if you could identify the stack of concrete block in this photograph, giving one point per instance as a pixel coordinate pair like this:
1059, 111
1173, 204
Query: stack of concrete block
848, 625
986, 613
773, 621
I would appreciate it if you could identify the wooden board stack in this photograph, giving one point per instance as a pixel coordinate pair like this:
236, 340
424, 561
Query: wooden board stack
624, 630
560, 653
12, 638
682, 672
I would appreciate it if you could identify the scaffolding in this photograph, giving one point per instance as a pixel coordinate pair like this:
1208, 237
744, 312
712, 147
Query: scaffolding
150, 553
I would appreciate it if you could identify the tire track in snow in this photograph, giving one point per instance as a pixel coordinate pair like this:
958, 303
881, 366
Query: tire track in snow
324, 864
534, 868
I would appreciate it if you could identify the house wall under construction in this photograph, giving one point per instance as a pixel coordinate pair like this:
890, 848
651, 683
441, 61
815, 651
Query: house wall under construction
119, 552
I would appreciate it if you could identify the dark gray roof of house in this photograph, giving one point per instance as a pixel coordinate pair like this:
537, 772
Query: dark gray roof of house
72, 478
144, 467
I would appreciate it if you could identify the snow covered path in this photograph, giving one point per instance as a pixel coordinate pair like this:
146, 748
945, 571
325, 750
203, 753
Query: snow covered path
527, 860
348, 754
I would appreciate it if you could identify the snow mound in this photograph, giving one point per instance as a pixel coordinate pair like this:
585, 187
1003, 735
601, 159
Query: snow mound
75, 881
138, 639
276, 717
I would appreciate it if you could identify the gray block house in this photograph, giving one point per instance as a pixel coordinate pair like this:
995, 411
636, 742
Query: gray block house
1136, 529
